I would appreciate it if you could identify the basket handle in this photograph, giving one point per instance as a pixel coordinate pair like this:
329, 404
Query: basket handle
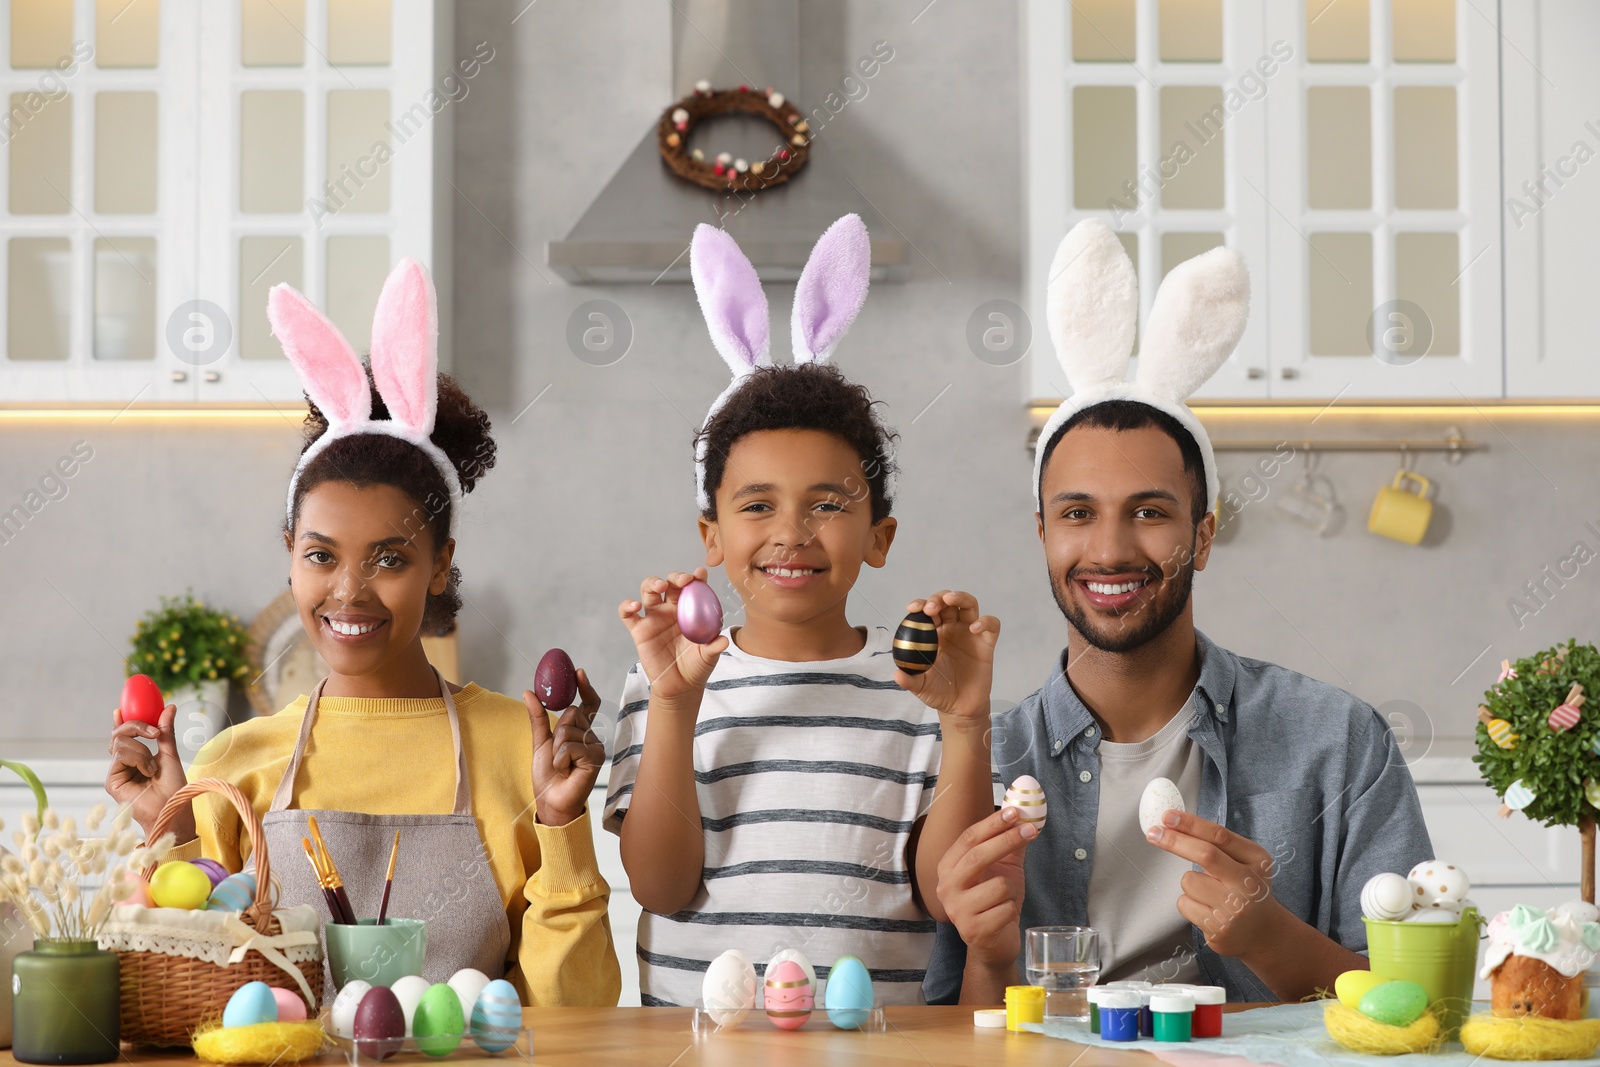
258, 914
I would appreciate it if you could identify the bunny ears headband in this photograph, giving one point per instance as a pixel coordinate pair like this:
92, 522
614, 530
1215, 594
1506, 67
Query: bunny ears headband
828, 297
405, 368
1092, 304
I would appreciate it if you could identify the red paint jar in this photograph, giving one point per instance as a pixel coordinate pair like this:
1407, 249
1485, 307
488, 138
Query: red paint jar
1208, 1002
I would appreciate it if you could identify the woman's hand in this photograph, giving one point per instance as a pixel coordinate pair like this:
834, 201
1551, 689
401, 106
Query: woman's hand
676, 668
566, 761
145, 780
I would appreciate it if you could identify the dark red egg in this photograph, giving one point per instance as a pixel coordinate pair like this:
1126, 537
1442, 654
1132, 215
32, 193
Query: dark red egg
142, 700
555, 681
380, 1024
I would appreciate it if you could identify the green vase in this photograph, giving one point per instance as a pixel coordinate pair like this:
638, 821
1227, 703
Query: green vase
66, 1003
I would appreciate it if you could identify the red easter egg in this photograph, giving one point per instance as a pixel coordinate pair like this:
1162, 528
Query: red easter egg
555, 681
380, 1024
142, 700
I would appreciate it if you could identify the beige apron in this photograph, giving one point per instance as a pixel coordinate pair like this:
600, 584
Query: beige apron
442, 875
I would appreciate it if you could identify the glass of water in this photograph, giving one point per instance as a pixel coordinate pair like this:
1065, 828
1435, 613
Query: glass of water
1065, 961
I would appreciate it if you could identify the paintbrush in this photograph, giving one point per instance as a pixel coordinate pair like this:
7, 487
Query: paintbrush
388, 882
335, 882
322, 880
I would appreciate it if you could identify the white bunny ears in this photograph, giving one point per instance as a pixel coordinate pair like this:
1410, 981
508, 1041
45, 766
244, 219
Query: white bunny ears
405, 368
1092, 304
827, 298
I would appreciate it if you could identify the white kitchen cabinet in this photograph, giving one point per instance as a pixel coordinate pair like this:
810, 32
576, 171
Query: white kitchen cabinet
1552, 197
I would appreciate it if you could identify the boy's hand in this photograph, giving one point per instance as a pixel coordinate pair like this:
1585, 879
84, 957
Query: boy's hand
981, 887
1230, 899
962, 675
676, 668
146, 780
567, 761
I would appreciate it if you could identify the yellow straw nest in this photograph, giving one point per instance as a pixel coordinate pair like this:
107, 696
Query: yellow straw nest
1529, 1037
260, 1043
1358, 1033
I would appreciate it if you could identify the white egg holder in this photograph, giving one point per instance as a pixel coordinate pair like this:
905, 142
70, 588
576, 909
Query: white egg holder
361, 1053
705, 1021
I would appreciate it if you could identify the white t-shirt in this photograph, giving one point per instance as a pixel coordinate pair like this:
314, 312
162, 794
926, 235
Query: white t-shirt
810, 776
1134, 886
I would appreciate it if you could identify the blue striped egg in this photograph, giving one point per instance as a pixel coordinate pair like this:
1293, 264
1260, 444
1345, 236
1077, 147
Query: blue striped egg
1518, 795
234, 893
497, 1017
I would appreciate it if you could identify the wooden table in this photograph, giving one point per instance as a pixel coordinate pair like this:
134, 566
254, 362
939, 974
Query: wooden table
658, 1037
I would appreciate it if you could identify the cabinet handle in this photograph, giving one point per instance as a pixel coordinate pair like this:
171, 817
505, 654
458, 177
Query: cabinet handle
213, 376
180, 375
1289, 372
1255, 373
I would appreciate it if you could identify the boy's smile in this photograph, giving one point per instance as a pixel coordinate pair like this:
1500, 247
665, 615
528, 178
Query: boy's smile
793, 527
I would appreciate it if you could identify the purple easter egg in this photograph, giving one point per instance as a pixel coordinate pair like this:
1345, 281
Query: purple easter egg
214, 871
699, 613
555, 681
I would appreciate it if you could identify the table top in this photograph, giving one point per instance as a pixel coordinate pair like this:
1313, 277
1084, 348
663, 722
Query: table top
924, 1036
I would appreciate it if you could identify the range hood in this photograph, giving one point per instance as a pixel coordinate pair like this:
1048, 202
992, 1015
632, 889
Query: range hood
638, 227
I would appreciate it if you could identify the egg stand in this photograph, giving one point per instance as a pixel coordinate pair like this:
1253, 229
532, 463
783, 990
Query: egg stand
361, 1054
704, 1021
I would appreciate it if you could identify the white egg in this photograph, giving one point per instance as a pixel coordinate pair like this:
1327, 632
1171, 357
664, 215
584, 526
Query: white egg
1579, 911
729, 988
343, 1013
1386, 897
799, 957
1160, 797
1027, 796
1432, 915
1435, 882
468, 983
408, 991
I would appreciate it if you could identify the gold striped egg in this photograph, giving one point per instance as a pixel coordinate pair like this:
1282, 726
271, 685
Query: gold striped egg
916, 643
1027, 796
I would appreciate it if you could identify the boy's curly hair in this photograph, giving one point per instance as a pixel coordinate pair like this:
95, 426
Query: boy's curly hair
460, 429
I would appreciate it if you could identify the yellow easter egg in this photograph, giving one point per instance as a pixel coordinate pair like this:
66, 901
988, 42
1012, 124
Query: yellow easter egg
1351, 986
177, 884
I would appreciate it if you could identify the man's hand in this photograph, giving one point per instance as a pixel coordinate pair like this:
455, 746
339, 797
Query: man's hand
1230, 899
981, 887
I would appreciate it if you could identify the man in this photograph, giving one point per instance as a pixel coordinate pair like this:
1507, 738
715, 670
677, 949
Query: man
1296, 791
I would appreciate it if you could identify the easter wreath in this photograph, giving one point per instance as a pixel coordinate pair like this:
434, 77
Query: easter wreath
1539, 742
723, 171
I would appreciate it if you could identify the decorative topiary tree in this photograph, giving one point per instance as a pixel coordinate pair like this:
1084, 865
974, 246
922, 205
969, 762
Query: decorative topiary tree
1539, 742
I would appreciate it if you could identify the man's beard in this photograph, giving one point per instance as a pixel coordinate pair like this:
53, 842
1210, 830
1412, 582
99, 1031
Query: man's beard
1139, 627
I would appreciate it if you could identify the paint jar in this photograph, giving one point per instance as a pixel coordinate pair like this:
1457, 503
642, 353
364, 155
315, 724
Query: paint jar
1146, 1024
1094, 993
1024, 1004
1208, 1002
1172, 1015
1119, 1015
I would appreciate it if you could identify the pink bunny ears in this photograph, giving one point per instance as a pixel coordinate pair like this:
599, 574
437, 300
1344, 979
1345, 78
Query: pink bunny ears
829, 295
405, 369
1092, 304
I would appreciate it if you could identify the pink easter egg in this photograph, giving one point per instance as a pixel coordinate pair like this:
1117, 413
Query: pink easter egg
291, 1008
1563, 718
789, 999
139, 896
699, 613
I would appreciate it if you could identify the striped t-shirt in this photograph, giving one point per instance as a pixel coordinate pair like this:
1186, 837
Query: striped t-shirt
810, 776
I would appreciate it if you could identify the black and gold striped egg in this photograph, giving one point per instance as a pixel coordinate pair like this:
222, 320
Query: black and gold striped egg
916, 643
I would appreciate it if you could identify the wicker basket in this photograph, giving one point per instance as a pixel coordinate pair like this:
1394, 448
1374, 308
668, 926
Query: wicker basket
165, 997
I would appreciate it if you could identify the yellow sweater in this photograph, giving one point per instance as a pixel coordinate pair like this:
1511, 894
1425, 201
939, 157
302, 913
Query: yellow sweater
394, 757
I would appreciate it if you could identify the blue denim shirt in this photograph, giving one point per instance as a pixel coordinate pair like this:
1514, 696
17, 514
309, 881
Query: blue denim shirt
1301, 767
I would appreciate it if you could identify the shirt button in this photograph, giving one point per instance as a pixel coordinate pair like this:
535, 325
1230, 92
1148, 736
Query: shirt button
1089, 732
1084, 776
1056, 748
1081, 854
1222, 709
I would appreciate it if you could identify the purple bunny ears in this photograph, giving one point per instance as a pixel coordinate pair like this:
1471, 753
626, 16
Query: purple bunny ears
1092, 304
829, 295
405, 369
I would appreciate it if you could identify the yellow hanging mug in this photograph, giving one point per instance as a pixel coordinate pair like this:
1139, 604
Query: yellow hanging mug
1402, 514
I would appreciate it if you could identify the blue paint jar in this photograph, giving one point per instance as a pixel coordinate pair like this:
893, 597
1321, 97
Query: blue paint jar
1146, 1020
1119, 1015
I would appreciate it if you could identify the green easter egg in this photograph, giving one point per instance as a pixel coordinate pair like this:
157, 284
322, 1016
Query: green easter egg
1395, 1003
438, 1023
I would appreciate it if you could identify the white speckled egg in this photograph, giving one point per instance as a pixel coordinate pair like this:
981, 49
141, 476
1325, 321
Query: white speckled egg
729, 988
1027, 796
408, 991
343, 1013
1386, 897
1435, 883
497, 1017
1578, 911
1160, 797
468, 983
799, 957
